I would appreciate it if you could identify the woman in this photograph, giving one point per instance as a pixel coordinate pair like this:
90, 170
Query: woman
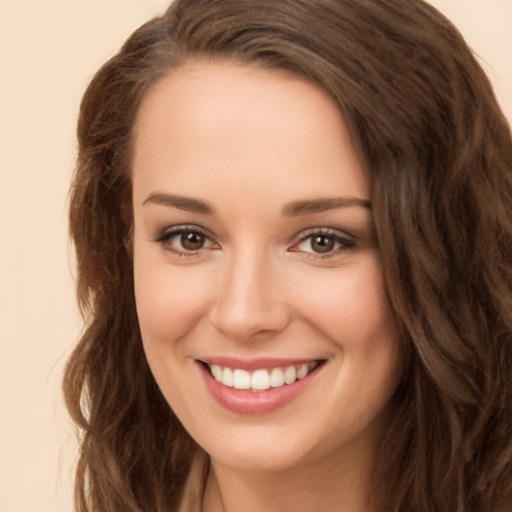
293, 233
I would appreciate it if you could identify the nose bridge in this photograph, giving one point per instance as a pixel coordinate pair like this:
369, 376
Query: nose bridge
249, 302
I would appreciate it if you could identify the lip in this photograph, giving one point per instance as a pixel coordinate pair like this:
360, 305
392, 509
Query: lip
261, 402
255, 364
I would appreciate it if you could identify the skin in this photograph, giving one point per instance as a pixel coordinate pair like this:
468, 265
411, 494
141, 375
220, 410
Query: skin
249, 142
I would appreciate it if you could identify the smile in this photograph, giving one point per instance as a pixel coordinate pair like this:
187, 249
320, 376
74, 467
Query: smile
258, 386
260, 379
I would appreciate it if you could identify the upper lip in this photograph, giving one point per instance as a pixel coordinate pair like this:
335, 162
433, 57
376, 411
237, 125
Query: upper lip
257, 363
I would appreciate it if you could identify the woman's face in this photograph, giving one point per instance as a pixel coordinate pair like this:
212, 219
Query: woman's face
258, 279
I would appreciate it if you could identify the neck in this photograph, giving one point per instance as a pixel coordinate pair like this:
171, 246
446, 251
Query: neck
338, 483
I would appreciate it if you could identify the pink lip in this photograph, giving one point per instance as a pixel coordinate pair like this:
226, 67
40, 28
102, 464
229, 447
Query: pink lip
262, 402
252, 365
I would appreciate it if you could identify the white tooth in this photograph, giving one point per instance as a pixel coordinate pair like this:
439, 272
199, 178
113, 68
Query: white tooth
241, 379
290, 375
260, 380
276, 377
227, 377
216, 372
302, 370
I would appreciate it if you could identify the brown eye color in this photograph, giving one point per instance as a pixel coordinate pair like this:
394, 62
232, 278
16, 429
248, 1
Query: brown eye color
192, 241
322, 243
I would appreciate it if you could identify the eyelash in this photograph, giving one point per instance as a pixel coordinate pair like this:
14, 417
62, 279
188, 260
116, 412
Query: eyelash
343, 243
167, 235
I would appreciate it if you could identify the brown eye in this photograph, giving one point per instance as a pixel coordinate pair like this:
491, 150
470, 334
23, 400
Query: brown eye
185, 241
192, 240
322, 243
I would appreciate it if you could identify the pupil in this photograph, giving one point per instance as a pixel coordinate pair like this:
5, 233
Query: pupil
322, 244
192, 241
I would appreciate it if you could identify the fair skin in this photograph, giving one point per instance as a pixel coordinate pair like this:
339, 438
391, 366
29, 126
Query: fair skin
254, 249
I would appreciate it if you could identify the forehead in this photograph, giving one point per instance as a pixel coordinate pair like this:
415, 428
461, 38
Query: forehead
242, 124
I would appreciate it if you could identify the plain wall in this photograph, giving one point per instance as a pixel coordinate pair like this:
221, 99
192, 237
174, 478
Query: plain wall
48, 51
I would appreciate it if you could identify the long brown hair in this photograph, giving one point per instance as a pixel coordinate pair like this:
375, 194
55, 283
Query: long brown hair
440, 155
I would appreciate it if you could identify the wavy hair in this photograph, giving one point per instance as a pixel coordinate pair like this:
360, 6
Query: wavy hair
439, 151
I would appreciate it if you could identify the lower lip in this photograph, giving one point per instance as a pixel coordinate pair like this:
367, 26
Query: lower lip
261, 402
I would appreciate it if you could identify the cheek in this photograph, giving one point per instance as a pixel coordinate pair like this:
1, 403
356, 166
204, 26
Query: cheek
170, 304
169, 299
353, 309
355, 314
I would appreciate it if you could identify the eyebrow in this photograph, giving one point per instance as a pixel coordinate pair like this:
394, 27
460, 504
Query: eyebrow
187, 204
292, 209
311, 206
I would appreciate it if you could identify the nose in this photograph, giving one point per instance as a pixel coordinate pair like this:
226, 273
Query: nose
250, 304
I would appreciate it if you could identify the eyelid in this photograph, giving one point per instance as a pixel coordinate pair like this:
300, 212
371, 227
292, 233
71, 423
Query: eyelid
344, 239
162, 236
161, 233
323, 230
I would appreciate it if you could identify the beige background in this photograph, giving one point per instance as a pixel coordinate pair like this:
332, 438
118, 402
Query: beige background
48, 51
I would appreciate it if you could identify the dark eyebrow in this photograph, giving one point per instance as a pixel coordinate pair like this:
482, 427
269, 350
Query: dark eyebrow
310, 206
181, 202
